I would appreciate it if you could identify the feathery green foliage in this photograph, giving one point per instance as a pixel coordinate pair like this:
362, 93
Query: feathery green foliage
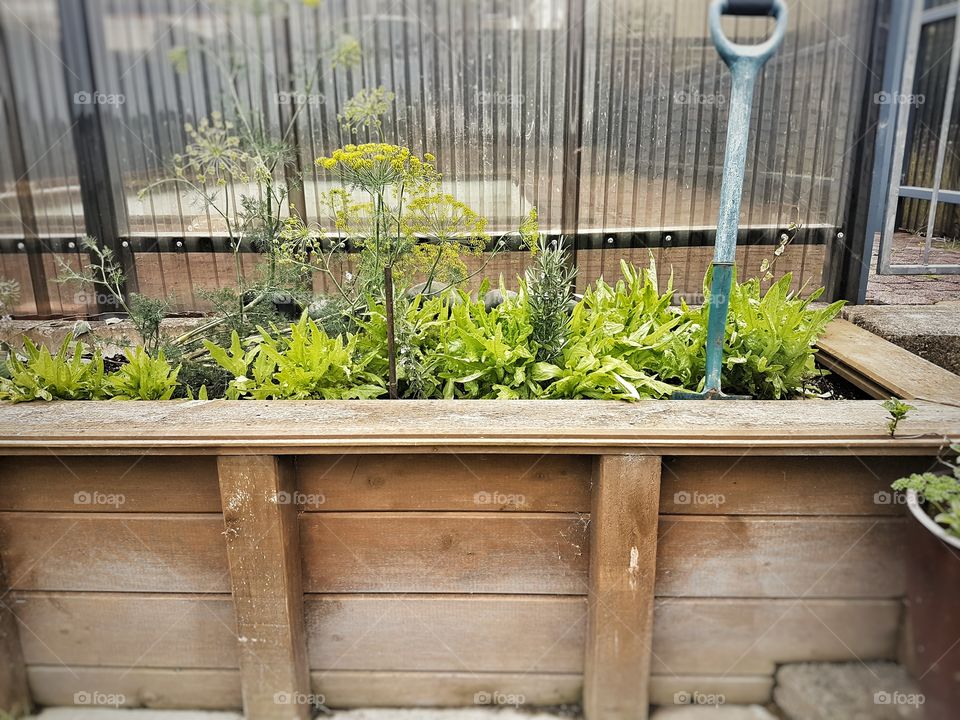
549, 287
940, 493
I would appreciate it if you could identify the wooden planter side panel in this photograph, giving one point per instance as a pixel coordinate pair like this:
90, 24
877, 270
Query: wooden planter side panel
118, 572
763, 561
427, 581
445, 579
475, 483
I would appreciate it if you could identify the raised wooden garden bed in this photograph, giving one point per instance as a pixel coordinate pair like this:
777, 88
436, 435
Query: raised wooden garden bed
225, 554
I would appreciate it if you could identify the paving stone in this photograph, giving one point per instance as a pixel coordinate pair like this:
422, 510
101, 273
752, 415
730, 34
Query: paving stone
713, 712
851, 691
913, 289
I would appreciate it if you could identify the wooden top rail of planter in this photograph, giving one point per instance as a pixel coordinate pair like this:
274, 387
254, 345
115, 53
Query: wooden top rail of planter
653, 427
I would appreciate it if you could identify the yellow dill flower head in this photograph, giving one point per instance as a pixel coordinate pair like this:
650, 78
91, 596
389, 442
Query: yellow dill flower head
375, 166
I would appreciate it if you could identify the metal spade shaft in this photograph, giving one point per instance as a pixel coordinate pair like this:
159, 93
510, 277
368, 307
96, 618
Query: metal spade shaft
745, 63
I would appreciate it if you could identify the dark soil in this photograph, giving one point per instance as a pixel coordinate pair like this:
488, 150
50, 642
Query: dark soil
830, 386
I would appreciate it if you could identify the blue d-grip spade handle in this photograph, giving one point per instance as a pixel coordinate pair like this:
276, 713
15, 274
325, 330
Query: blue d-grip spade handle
745, 63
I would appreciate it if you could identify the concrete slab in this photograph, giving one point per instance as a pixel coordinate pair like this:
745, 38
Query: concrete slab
852, 691
930, 331
713, 712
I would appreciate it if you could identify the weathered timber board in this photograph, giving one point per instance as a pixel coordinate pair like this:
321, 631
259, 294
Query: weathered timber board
506, 634
887, 366
735, 689
123, 552
507, 483
165, 688
126, 629
752, 636
523, 553
169, 688
574, 426
109, 484
162, 688
788, 486
623, 557
359, 689
14, 692
531, 553
720, 556
450, 633
266, 579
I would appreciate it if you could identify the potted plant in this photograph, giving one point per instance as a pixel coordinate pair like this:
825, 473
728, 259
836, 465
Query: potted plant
933, 585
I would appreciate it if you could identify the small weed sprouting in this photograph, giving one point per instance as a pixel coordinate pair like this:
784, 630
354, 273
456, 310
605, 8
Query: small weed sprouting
898, 410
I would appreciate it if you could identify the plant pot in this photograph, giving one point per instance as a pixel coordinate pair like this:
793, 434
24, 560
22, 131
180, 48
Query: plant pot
933, 589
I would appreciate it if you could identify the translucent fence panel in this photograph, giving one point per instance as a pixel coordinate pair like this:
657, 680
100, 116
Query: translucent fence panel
40, 211
615, 116
655, 114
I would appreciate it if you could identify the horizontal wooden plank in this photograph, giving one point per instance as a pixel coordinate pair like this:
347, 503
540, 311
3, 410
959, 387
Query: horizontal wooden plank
161, 688
509, 483
453, 634
171, 688
577, 426
750, 637
531, 553
446, 633
888, 366
122, 552
109, 484
358, 689
126, 629
720, 556
784, 486
174, 689
701, 689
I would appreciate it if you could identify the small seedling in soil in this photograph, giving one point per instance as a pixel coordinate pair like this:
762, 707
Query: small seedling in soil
898, 410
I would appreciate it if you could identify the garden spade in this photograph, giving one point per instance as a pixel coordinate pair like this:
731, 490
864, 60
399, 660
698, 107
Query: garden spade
745, 63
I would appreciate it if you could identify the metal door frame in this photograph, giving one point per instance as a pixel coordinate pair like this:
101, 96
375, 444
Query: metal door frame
917, 17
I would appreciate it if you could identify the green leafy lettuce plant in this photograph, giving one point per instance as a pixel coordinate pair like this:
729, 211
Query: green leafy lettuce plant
488, 353
769, 348
621, 338
308, 364
42, 375
142, 377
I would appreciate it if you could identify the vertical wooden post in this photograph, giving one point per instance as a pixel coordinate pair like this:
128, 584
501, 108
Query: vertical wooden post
263, 548
623, 557
14, 692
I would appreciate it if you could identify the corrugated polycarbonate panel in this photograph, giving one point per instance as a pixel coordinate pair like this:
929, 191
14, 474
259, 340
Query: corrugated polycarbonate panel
482, 84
